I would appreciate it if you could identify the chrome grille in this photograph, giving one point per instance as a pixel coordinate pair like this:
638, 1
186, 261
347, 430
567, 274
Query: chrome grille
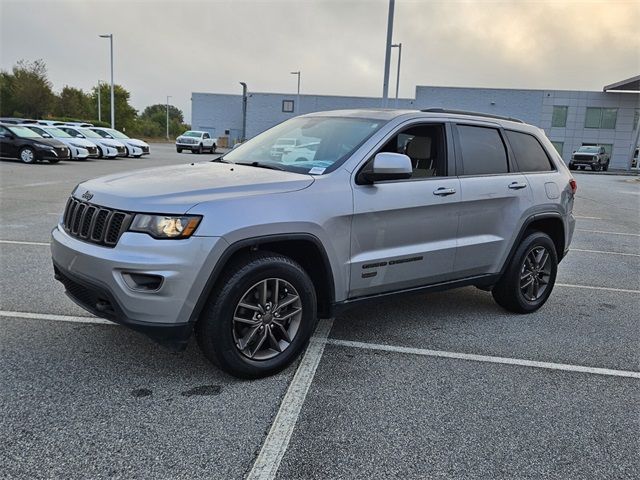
95, 224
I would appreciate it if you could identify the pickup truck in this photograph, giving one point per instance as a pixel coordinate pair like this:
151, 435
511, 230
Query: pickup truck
590, 156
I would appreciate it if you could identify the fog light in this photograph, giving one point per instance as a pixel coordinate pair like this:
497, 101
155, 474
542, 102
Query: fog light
142, 282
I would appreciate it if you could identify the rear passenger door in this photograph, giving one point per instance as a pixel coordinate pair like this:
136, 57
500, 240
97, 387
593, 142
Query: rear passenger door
494, 198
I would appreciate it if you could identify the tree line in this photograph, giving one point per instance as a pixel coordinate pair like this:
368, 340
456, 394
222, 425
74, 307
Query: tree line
27, 92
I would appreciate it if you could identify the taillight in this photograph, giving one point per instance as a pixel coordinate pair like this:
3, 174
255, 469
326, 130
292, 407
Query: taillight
574, 185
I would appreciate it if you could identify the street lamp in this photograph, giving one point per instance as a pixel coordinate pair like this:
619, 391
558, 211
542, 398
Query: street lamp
244, 111
113, 113
99, 104
168, 97
297, 109
387, 55
399, 47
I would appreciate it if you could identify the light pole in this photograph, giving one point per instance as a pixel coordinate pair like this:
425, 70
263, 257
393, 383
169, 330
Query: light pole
387, 56
399, 47
113, 113
99, 104
244, 111
297, 109
168, 97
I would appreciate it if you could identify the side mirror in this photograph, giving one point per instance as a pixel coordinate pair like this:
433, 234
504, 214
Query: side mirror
388, 166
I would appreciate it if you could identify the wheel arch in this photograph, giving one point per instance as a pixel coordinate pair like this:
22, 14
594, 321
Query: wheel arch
304, 248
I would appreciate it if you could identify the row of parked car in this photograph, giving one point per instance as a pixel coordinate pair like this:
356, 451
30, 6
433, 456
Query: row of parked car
39, 140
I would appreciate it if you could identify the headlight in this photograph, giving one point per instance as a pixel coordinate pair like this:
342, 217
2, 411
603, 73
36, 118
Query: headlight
160, 226
42, 145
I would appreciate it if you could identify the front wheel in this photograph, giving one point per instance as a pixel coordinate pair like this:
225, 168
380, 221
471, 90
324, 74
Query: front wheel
529, 278
605, 167
179, 150
260, 317
572, 166
213, 148
27, 155
198, 150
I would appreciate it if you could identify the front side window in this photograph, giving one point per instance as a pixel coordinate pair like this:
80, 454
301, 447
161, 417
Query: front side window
604, 118
530, 156
559, 118
483, 151
205, 136
425, 146
334, 139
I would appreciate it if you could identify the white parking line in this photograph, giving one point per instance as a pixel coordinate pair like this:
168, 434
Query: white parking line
588, 218
275, 445
602, 251
608, 233
485, 358
55, 318
20, 242
590, 287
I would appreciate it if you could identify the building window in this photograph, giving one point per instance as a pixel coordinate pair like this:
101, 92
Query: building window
559, 146
559, 118
636, 119
287, 106
604, 118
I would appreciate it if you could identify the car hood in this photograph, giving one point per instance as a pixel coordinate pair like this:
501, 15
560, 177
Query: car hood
108, 141
136, 142
81, 141
49, 141
176, 189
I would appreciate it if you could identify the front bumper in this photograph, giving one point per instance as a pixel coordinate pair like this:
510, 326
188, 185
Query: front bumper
51, 154
583, 162
95, 278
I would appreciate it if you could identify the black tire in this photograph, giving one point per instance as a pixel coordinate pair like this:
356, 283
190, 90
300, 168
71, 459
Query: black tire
596, 167
508, 291
213, 148
27, 155
198, 150
605, 167
572, 166
215, 328
179, 150
100, 154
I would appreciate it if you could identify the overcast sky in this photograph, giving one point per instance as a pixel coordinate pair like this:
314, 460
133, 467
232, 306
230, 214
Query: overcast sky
178, 47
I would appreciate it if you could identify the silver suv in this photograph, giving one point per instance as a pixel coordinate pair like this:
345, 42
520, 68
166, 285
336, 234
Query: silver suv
248, 250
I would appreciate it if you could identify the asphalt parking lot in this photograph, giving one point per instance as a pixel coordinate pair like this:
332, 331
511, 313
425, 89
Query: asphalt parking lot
441, 385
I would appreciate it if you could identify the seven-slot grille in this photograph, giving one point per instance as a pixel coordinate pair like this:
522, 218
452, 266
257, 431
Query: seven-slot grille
62, 151
121, 150
95, 224
92, 150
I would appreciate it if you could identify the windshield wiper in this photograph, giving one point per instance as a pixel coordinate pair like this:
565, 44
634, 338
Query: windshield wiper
262, 165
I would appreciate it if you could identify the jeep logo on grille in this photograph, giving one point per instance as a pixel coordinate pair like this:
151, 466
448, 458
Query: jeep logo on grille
87, 195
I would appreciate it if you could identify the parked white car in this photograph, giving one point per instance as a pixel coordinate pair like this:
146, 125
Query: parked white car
80, 148
301, 153
106, 148
135, 148
196, 141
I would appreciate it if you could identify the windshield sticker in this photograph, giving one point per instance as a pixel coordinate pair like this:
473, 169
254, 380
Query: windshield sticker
317, 171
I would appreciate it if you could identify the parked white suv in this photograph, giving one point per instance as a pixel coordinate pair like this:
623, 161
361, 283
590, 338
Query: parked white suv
196, 141
248, 251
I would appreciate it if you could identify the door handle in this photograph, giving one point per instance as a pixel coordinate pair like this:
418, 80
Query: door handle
443, 192
517, 185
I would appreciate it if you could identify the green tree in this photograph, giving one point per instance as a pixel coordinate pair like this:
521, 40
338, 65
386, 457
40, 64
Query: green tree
154, 119
31, 89
73, 102
7, 100
126, 115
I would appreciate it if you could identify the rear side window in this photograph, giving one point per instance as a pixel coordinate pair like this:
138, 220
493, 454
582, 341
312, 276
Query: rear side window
483, 151
530, 156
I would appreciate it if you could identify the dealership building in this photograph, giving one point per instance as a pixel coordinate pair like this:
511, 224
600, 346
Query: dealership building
610, 118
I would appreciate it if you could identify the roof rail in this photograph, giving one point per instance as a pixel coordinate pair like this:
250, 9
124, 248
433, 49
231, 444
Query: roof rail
476, 114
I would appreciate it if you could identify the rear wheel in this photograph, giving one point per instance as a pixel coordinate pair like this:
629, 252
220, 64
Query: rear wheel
529, 278
260, 317
27, 155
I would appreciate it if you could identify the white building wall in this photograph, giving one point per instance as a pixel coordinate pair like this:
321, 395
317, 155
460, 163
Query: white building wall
218, 113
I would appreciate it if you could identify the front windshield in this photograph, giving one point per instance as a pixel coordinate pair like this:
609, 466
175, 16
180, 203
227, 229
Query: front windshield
306, 144
588, 149
116, 133
56, 132
89, 133
191, 134
24, 132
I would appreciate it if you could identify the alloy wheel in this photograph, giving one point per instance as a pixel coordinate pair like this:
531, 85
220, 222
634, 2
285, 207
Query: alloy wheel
267, 319
26, 155
535, 274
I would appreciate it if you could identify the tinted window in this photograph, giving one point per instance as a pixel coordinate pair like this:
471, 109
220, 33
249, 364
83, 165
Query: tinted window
530, 156
483, 151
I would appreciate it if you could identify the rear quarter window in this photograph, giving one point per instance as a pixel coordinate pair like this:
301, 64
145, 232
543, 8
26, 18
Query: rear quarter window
483, 151
530, 155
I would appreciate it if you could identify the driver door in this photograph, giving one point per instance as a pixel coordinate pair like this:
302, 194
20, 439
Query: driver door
404, 232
